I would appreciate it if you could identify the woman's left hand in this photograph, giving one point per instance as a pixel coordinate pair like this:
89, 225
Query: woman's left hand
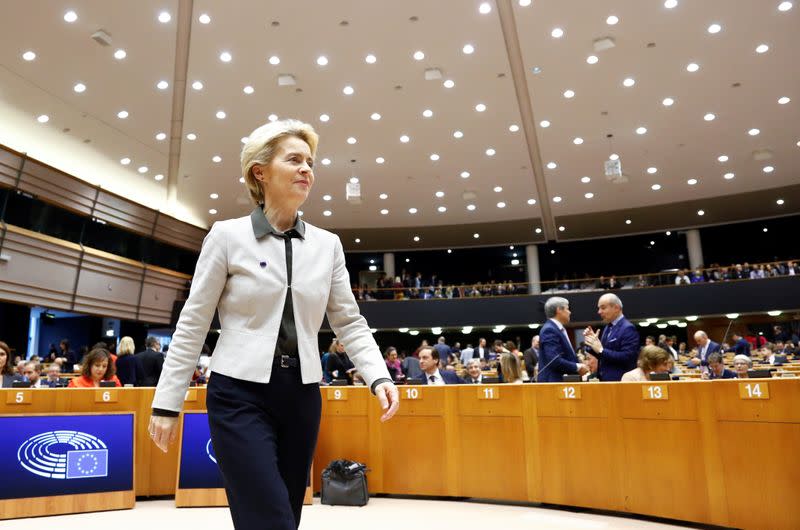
389, 398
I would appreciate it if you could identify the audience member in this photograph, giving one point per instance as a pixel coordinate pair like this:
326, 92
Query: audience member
444, 351
531, 358
617, 349
652, 359
716, 368
481, 352
556, 356
429, 363
54, 379
705, 347
741, 364
509, 364
393, 364
474, 375
96, 367
32, 372
127, 365
151, 360
593, 364
411, 368
649, 340
466, 354
7, 375
339, 364
740, 345
69, 356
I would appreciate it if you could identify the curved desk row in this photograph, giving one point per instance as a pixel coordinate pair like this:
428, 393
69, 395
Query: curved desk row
718, 452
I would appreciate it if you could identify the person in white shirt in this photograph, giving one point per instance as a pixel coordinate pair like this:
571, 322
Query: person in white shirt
474, 374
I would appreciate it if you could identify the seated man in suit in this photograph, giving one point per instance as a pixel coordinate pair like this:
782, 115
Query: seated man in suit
716, 368
474, 375
740, 345
617, 347
429, 363
556, 355
531, 358
705, 347
32, 371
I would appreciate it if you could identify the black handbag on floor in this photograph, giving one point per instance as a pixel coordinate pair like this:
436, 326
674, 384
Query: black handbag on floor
344, 483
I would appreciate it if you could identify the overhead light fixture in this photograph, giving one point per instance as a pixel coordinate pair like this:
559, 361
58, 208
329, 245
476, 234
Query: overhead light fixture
774, 313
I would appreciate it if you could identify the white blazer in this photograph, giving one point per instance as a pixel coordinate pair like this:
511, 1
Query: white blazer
245, 277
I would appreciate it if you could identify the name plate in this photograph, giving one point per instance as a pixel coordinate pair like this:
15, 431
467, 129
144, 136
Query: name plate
109, 395
658, 392
191, 395
754, 390
411, 393
19, 397
337, 394
569, 392
488, 392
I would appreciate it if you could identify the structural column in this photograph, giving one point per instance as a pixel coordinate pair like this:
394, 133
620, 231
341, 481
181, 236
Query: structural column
388, 264
532, 261
695, 248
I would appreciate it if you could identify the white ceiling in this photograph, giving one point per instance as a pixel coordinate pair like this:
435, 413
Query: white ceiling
678, 142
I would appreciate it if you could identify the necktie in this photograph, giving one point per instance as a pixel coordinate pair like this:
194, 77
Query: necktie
432, 378
287, 333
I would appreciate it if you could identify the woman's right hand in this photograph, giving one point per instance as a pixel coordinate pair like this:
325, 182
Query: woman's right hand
163, 430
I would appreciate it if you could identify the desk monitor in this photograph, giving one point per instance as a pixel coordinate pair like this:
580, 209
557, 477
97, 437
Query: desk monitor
20, 384
572, 378
759, 374
490, 380
340, 382
659, 376
108, 384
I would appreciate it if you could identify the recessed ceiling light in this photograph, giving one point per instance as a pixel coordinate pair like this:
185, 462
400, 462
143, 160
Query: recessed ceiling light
784, 6
458, 134
70, 16
552, 165
221, 115
326, 198
779, 202
125, 161
439, 194
465, 174
434, 157
557, 33
577, 141
164, 17
556, 199
348, 90
655, 187
204, 19
569, 94
669, 233
191, 137
216, 159
612, 20
709, 117
161, 136
501, 204
322, 60
405, 139
701, 212
122, 114
692, 67
471, 207
544, 124
419, 55
213, 211
159, 177
383, 196
490, 152
592, 59
272, 117
327, 213
441, 209
427, 113
524, 3
641, 130
480, 107
784, 100
370, 59
351, 140
768, 169
120, 54
627, 221
729, 176
613, 156
324, 117
722, 158
485, 8
29, 55
358, 240
629, 82
669, 4
531, 202
375, 116
762, 48
691, 182
588, 195
384, 212
513, 128
652, 170
753, 132
498, 189
586, 180
714, 28
380, 160
561, 228
79, 88
214, 196
326, 161
539, 231
476, 235
274, 60
412, 211
197, 85
668, 102
468, 49
449, 83
416, 238
162, 85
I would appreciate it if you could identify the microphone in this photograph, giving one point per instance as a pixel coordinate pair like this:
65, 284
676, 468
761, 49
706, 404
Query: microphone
548, 365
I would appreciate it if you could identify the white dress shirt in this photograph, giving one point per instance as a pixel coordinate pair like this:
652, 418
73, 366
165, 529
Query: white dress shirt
437, 378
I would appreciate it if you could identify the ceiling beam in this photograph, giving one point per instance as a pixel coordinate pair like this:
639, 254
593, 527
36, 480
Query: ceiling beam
508, 24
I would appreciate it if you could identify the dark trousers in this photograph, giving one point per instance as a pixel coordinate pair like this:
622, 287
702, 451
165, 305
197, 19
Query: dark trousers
264, 437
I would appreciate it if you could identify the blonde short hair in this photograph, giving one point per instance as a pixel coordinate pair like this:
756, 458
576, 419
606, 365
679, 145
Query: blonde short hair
262, 144
126, 346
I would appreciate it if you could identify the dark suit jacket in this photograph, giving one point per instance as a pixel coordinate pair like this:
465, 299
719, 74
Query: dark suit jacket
713, 347
340, 363
726, 374
127, 370
556, 356
149, 369
742, 347
620, 350
10, 378
450, 378
531, 357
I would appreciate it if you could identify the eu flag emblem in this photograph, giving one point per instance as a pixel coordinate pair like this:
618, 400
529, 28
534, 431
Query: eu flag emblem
87, 464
